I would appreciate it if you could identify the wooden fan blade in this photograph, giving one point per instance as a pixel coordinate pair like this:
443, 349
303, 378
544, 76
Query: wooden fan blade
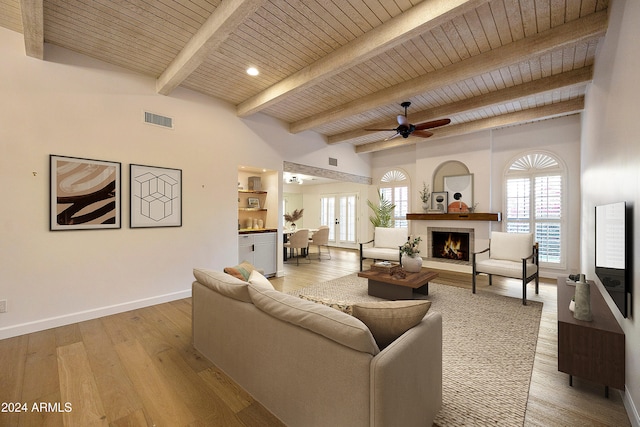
433, 124
394, 136
422, 133
402, 120
381, 130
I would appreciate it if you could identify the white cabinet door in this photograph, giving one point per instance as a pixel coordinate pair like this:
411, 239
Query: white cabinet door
265, 252
259, 250
245, 248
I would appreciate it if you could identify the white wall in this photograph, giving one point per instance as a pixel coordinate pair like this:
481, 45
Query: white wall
611, 164
74, 106
487, 155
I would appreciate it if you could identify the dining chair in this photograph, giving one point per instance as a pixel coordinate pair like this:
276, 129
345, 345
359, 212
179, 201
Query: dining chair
299, 242
321, 238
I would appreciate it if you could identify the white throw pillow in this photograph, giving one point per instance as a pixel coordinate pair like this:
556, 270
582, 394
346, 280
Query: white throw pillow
257, 279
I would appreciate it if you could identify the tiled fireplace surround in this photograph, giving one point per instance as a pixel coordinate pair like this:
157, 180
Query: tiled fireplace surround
453, 231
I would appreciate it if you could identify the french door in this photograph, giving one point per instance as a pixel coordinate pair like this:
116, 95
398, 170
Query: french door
340, 212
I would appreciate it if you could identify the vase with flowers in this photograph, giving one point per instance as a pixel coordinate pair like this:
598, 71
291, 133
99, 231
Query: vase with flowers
293, 217
411, 259
425, 195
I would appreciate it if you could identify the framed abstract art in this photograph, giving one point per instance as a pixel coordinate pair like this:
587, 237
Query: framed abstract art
84, 194
156, 197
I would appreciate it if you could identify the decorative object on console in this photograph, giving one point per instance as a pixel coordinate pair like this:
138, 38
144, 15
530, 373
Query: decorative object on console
425, 195
439, 202
84, 194
582, 309
460, 188
411, 259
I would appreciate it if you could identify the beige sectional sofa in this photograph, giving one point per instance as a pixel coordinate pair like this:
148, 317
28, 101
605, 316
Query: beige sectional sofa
313, 365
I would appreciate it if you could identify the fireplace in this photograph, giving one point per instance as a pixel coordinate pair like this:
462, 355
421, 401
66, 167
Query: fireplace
450, 244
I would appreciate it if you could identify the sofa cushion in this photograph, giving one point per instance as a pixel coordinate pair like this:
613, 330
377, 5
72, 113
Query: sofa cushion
381, 253
241, 271
318, 318
503, 267
387, 320
223, 283
342, 306
256, 278
511, 246
389, 237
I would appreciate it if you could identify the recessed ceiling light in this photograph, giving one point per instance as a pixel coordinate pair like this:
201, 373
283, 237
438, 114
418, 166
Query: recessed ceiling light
252, 71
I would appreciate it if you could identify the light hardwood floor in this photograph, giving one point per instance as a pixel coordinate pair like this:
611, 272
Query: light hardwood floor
140, 369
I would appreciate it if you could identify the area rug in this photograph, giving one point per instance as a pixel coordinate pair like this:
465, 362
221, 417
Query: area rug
489, 344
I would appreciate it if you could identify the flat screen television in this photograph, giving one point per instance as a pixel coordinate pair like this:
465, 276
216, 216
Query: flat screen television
613, 247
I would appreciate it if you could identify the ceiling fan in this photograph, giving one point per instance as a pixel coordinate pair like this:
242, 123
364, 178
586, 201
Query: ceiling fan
405, 128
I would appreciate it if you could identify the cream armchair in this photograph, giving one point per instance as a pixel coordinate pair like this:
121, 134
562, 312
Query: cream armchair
510, 255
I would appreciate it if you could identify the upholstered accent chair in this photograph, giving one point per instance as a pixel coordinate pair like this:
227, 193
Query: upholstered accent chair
510, 255
299, 242
320, 238
385, 244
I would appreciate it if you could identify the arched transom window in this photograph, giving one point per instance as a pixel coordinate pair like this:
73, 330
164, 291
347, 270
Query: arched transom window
394, 186
534, 203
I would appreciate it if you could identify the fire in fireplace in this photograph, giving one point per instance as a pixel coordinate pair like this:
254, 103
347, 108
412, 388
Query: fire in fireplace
450, 245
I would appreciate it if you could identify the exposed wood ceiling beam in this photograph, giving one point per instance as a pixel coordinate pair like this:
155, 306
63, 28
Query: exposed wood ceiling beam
223, 21
33, 27
580, 76
582, 29
420, 18
554, 110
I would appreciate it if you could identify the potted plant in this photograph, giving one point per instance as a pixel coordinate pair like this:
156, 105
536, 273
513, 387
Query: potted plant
425, 195
411, 259
382, 212
293, 217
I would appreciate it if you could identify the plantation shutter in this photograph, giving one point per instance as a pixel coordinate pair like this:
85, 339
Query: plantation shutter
533, 202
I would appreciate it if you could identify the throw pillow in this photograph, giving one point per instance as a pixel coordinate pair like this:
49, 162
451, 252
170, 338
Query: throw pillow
241, 271
387, 320
257, 279
342, 306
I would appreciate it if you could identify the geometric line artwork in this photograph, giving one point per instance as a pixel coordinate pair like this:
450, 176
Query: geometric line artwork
156, 197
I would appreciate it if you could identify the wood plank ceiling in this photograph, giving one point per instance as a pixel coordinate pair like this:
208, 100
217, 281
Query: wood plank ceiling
339, 66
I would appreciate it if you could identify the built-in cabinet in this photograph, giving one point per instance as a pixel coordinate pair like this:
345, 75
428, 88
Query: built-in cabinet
252, 212
259, 249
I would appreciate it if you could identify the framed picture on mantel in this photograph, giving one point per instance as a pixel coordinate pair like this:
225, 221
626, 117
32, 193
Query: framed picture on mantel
460, 189
439, 201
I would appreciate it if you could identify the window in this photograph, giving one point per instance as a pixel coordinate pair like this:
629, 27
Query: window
394, 186
534, 193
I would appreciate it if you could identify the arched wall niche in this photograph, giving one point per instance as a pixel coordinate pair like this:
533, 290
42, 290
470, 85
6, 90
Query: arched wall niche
450, 168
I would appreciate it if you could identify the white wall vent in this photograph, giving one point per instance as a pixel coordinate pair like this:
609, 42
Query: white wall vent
158, 120
333, 162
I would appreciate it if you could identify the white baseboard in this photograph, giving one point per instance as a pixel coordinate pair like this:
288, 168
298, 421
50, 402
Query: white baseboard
632, 410
81, 316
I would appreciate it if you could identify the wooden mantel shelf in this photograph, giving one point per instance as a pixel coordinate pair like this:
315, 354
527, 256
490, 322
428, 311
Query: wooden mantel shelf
475, 216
